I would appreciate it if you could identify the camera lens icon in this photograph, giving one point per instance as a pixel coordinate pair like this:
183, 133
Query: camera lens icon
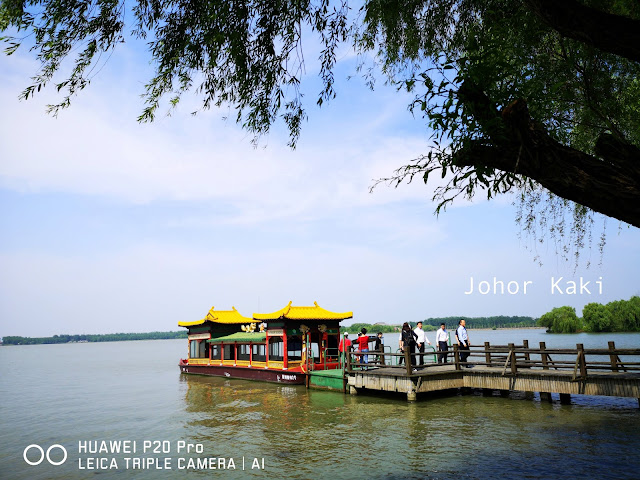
44, 455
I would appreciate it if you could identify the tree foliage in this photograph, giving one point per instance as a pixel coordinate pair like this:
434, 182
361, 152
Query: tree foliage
372, 329
616, 316
527, 96
561, 320
242, 53
516, 104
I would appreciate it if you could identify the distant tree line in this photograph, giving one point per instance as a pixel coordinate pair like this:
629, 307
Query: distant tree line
434, 323
616, 316
500, 321
109, 337
371, 329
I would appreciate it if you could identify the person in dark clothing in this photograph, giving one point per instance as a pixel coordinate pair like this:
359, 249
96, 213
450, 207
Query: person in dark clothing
379, 347
408, 342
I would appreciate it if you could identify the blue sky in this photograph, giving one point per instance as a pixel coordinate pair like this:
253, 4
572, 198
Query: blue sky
113, 226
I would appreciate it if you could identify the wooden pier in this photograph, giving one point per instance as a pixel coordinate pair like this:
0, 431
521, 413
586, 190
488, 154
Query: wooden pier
506, 368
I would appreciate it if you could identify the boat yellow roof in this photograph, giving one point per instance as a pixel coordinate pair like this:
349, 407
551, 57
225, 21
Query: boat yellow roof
220, 316
303, 313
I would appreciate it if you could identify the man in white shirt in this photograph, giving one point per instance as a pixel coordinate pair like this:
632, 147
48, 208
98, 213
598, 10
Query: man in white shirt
420, 341
442, 340
463, 342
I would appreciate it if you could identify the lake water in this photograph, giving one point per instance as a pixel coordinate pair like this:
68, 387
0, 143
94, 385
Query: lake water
78, 395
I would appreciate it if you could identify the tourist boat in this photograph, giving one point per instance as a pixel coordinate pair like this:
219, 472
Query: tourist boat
280, 347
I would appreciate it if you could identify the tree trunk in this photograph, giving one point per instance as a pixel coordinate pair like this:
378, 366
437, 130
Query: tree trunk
610, 185
610, 33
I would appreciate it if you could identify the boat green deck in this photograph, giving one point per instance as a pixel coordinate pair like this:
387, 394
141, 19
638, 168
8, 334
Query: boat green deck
327, 379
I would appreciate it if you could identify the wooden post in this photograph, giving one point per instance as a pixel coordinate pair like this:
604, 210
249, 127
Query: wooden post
583, 360
407, 360
382, 362
565, 398
544, 396
347, 354
512, 356
543, 356
525, 344
411, 396
456, 356
487, 353
527, 358
613, 357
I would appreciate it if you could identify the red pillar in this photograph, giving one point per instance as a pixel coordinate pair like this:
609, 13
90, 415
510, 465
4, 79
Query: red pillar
266, 346
285, 355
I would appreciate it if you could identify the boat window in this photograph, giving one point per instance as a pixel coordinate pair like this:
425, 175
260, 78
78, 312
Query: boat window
315, 352
259, 353
276, 349
331, 347
216, 351
294, 347
243, 352
198, 349
229, 352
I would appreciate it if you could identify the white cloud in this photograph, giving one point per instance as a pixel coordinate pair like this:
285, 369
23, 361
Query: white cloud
97, 148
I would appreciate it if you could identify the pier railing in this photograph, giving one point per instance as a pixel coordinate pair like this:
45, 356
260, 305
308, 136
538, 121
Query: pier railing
511, 358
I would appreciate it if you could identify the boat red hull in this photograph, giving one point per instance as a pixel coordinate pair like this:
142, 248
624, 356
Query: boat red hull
247, 373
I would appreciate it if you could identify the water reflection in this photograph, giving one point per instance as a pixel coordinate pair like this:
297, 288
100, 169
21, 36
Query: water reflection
309, 434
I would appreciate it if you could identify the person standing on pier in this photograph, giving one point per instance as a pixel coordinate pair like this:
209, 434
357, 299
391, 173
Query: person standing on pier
442, 340
363, 344
463, 341
421, 338
379, 347
408, 341
344, 346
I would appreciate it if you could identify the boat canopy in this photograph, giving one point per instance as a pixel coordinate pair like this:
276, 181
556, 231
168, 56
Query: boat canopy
302, 313
241, 337
220, 316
